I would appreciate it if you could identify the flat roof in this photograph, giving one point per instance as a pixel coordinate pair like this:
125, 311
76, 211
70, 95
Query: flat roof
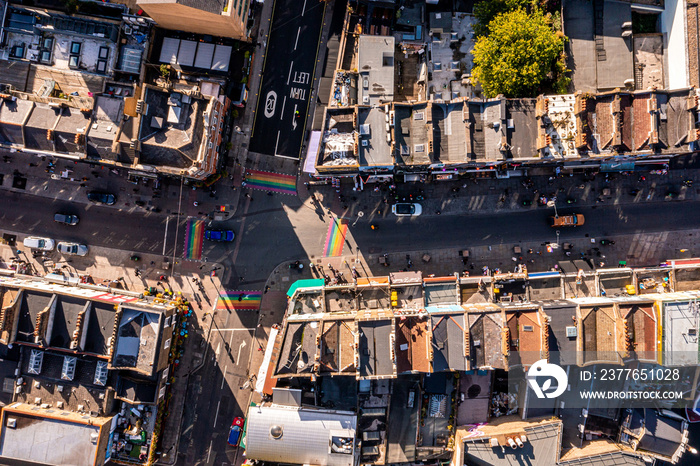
50, 436
522, 128
375, 147
375, 60
411, 133
450, 143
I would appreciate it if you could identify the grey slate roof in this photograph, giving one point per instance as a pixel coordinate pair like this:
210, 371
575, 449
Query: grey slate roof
541, 449
609, 459
562, 349
375, 348
448, 342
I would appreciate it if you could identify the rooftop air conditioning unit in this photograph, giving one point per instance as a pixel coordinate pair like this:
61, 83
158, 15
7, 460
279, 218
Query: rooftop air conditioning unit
571, 332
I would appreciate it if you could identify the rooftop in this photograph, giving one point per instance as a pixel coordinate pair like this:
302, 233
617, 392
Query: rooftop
412, 345
375, 348
38, 433
451, 133
541, 448
448, 336
107, 117
602, 58
486, 339
374, 140
300, 435
376, 68
136, 345
171, 131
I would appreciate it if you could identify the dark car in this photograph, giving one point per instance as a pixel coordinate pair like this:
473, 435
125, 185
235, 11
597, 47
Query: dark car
101, 198
66, 219
219, 235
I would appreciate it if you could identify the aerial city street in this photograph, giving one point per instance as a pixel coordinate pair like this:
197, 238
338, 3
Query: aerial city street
349, 232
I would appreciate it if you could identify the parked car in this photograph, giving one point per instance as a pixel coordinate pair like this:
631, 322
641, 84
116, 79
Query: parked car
99, 197
36, 242
66, 219
406, 209
573, 220
72, 249
219, 235
234, 433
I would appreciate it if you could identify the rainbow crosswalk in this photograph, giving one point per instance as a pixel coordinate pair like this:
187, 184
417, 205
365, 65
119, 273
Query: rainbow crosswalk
335, 238
194, 239
239, 300
275, 182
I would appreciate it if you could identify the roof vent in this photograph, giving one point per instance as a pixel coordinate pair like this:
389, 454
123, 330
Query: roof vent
276, 432
11, 422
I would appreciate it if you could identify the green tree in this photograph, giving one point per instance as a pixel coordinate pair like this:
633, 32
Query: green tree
486, 10
518, 54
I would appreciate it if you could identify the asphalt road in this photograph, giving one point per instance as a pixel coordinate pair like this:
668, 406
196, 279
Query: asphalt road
287, 77
272, 234
144, 232
217, 388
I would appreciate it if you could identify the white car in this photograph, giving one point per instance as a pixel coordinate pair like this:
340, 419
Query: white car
36, 242
72, 249
406, 209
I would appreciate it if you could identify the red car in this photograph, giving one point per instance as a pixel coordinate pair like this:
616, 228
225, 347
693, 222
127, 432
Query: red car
234, 434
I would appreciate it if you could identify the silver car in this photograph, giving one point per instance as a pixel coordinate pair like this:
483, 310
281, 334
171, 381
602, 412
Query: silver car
72, 249
36, 242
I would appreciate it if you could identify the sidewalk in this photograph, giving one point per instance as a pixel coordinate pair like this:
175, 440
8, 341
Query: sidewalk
114, 268
486, 196
84, 176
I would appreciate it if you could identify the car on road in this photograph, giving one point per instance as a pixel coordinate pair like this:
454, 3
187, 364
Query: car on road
99, 197
406, 209
573, 220
219, 235
234, 433
66, 219
72, 249
36, 242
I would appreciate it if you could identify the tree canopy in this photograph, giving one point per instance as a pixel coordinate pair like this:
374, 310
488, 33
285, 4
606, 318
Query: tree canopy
486, 10
518, 53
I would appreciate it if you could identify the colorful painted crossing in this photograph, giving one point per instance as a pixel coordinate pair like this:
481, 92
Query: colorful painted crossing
194, 239
335, 239
268, 181
239, 300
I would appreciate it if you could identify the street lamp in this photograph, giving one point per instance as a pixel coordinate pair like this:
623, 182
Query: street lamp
360, 214
553, 203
